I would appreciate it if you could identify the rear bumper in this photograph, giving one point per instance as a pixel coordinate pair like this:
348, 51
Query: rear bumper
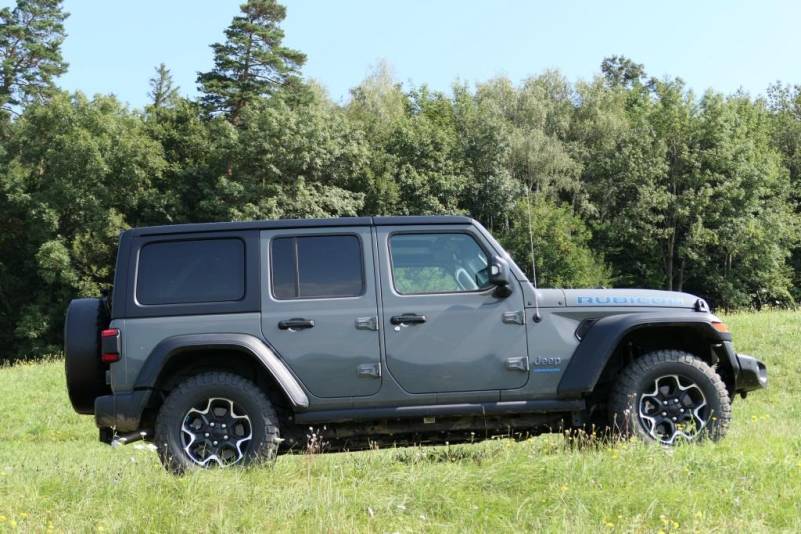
122, 412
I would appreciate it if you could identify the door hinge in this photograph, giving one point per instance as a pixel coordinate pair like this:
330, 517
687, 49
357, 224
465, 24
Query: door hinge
367, 323
518, 363
369, 369
514, 317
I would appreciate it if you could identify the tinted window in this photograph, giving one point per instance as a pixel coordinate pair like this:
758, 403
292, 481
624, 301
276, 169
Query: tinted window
438, 263
317, 267
180, 272
284, 279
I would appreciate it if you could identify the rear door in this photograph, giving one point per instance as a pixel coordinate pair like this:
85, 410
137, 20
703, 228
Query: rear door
445, 330
319, 307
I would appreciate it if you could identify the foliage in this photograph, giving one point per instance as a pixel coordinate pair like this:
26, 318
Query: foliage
251, 62
79, 172
561, 245
629, 180
163, 92
622, 71
691, 195
30, 51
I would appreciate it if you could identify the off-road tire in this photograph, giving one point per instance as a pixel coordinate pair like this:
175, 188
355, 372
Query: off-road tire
194, 391
640, 376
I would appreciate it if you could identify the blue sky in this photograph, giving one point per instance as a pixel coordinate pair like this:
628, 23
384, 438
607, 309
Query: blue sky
113, 46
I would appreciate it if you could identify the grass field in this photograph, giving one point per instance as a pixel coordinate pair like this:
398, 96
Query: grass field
55, 476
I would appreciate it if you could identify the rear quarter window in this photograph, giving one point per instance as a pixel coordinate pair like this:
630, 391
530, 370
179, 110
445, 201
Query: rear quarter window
191, 271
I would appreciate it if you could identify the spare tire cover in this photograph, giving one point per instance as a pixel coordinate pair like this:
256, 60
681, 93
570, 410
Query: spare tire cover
86, 374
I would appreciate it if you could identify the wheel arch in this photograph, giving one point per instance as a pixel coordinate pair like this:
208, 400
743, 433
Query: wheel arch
179, 357
608, 346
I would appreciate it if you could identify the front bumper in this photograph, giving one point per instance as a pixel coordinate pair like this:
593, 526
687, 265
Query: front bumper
748, 373
753, 374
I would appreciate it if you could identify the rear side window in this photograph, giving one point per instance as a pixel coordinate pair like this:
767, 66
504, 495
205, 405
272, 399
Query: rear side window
192, 271
317, 267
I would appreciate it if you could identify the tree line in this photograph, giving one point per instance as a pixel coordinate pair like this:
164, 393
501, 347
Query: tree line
623, 180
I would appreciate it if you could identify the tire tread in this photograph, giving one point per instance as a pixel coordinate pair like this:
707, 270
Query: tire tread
626, 383
266, 449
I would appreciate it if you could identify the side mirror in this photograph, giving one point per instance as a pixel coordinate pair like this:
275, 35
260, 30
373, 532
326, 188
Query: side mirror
500, 276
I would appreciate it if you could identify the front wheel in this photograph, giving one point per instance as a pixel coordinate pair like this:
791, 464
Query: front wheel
668, 397
215, 419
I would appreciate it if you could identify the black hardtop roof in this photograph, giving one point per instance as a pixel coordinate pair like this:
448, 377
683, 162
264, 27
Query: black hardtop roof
297, 223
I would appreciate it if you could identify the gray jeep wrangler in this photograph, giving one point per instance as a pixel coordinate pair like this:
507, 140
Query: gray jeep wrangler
226, 343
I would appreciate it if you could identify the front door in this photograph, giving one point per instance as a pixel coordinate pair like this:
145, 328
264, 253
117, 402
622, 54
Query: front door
319, 307
444, 328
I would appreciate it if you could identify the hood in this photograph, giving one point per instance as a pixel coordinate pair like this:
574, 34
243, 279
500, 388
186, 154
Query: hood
637, 298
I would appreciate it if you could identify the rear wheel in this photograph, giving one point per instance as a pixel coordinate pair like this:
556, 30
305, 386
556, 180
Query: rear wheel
670, 397
216, 419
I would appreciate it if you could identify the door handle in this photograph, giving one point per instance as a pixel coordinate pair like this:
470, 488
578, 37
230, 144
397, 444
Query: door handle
407, 318
517, 364
369, 369
295, 323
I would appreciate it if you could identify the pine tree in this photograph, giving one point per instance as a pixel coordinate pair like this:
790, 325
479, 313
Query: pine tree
30, 50
162, 91
252, 62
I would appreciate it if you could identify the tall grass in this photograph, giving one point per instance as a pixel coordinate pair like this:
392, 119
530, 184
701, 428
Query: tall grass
55, 476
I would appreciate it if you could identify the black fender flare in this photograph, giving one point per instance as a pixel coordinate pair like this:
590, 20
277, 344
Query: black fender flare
599, 343
249, 344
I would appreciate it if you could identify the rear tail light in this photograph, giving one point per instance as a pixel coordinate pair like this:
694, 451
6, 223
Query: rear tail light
110, 345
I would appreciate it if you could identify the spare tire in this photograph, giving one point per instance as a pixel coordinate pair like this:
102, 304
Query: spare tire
86, 374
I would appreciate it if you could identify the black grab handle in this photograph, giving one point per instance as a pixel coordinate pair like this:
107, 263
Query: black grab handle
408, 318
295, 324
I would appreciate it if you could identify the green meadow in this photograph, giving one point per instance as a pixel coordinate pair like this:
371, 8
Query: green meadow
56, 477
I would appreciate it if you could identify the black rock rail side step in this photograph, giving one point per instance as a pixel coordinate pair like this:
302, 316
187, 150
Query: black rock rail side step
441, 410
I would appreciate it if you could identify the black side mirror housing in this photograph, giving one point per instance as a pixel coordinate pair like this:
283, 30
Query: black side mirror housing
500, 276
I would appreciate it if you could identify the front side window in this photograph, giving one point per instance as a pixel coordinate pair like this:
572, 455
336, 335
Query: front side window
317, 267
191, 271
438, 263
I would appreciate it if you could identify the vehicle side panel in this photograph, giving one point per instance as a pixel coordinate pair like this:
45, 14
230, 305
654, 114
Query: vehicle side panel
140, 336
463, 347
340, 355
553, 344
